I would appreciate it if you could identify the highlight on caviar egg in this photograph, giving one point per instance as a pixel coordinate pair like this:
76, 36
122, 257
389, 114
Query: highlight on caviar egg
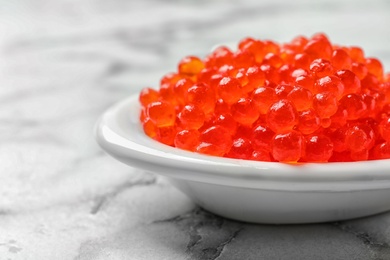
307, 100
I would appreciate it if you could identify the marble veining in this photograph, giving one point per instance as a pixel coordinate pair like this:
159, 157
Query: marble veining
62, 63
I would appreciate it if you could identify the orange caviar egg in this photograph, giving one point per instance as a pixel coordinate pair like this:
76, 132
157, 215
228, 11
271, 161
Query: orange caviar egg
227, 121
306, 81
261, 155
241, 149
356, 139
254, 46
263, 98
149, 127
282, 116
319, 148
244, 112
350, 81
320, 68
338, 138
302, 60
229, 89
299, 42
288, 147
271, 47
170, 79
339, 118
325, 104
374, 66
287, 73
319, 48
262, 136
307, 100
273, 59
187, 139
354, 106
161, 113
243, 59
300, 97
148, 95
356, 53
166, 135
190, 66
256, 78
215, 140
282, 90
180, 89
242, 78
360, 70
219, 57
221, 107
309, 121
166, 93
202, 96
330, 84
192, 117
341, 60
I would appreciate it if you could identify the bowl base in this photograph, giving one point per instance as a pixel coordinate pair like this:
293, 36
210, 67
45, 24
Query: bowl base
284, 207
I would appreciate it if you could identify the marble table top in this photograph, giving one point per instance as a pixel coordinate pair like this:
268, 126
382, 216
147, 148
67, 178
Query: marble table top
62, 63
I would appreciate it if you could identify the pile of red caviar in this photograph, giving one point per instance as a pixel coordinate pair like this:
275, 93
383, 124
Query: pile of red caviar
307, 100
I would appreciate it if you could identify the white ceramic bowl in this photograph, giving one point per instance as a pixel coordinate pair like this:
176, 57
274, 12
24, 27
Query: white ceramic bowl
261, 192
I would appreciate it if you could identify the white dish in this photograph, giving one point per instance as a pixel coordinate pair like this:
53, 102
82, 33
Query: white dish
261, 192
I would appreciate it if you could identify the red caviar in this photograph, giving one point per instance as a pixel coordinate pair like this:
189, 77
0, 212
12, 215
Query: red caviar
307, 100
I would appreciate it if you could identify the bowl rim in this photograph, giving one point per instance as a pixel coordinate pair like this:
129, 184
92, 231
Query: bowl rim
119, 132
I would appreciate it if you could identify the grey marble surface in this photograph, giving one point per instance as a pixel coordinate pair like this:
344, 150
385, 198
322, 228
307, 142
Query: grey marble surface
62, 63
